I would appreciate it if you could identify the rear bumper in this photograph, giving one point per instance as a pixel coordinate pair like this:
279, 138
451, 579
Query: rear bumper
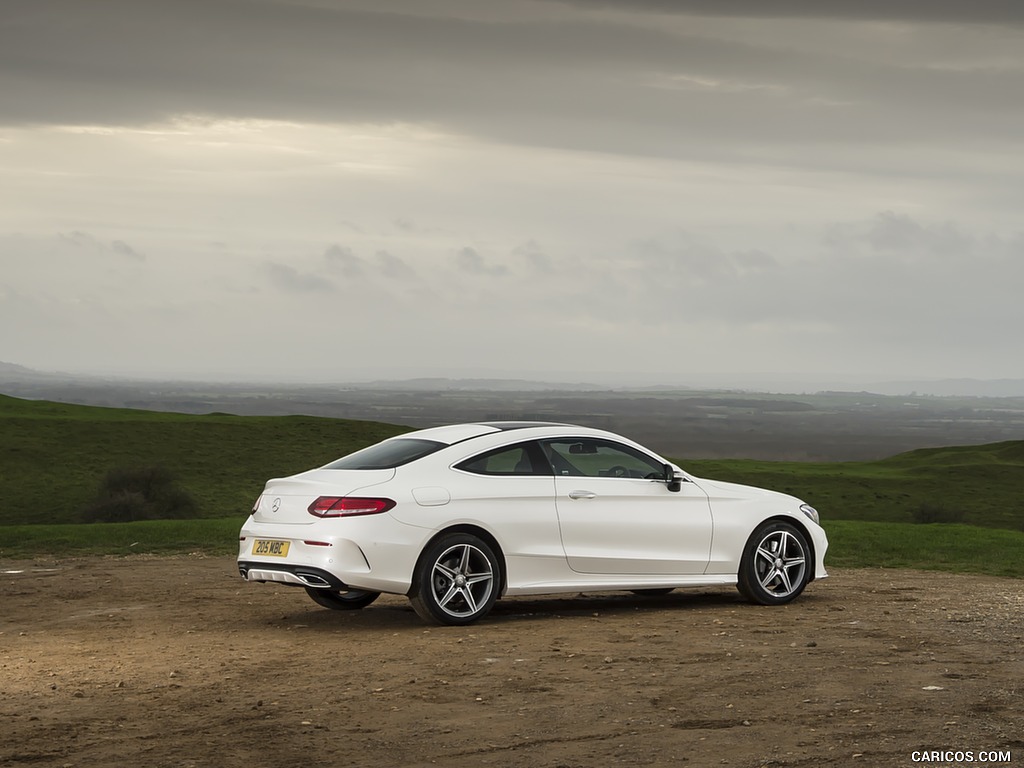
372, 553
285, 573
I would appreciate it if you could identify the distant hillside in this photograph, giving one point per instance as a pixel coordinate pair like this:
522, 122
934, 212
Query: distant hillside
824, 426
953, 388
12, 373
11, 369
976, 485
53, 457
478, 385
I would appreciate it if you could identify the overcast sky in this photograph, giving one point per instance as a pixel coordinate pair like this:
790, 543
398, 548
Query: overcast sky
666, 189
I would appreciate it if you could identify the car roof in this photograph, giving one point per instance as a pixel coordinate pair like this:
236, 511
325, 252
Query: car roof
450, 434
457, 433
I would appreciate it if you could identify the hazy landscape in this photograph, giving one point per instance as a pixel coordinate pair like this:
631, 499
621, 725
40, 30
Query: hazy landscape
859, 457
677, 421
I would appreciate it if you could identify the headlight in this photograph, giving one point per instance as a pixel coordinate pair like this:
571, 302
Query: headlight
810, 511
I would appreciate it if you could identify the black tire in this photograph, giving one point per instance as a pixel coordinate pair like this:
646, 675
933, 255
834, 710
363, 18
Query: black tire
652, 592
457, 580
342, 599
776, 564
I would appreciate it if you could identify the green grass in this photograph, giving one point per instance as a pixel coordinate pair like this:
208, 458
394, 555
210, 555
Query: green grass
54, 456
954, 548
983, 485
211, 536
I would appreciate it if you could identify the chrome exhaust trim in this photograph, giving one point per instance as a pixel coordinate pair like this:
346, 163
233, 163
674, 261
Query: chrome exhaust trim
296, 575
281, 577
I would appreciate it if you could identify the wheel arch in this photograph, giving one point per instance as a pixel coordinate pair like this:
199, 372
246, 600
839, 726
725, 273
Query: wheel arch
474, 530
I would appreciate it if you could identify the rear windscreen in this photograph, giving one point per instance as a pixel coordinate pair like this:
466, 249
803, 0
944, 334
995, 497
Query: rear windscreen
387, 455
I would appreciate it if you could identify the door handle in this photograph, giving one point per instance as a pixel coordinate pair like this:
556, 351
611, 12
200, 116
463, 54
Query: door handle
582, 495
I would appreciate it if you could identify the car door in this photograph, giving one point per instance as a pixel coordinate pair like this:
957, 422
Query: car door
510, 490
617, 516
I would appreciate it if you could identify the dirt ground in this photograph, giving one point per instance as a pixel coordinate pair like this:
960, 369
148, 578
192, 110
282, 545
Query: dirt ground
174, 661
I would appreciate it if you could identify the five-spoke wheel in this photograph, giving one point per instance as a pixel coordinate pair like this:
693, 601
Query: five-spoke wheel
457, 580
774, 568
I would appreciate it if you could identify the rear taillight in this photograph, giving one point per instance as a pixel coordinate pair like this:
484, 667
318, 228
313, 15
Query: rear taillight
257, 504
348, 506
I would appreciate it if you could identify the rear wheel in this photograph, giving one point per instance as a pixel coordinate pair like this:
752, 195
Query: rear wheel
342, 599
456, 581
774, 568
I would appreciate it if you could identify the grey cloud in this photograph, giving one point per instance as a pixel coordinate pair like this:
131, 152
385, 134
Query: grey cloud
342, 258
908, 291
291, 280
89, 242
754, 260
849, 304
351, 226
394, 267
978, 12
891, 231
903, 236
535, 255
691, 259
81, 240
121, 248
585, 83
471, 262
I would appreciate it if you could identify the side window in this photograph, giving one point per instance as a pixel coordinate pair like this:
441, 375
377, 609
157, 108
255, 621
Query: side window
510, 460
587, 457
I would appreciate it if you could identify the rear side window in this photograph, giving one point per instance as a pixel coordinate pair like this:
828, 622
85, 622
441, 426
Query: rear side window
522, 459
387, 455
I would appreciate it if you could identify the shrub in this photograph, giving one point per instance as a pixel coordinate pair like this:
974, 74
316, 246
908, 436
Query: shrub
140, 493
929, 512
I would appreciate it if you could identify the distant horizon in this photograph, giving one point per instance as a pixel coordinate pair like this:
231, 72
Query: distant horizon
767, 383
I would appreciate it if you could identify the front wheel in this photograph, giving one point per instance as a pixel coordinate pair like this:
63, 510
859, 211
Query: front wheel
456, 581
774, 568
342, 599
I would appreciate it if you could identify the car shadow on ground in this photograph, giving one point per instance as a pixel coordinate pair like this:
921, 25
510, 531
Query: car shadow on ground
607, 603
393, 612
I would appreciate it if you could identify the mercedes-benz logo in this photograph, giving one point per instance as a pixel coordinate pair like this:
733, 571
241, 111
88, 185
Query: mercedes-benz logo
276, 505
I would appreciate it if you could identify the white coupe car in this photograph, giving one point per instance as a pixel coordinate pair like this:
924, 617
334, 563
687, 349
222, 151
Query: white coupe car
455, 517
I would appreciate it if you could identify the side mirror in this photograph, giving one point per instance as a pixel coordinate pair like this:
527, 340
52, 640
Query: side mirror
673, 481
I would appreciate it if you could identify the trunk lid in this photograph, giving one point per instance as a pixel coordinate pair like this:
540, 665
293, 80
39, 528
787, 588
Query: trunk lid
286, 500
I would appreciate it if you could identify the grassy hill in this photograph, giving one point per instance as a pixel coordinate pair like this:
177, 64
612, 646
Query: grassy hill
54, 456
977, 485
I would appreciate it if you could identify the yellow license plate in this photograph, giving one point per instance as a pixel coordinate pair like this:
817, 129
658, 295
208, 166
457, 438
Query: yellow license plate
270, 548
